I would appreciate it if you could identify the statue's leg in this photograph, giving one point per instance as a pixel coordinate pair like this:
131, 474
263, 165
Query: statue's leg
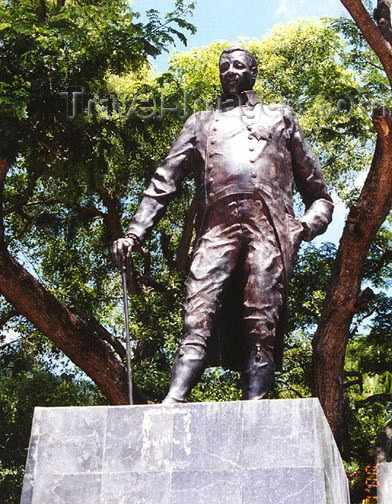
213, 262
188, 367
257, 377
263, 278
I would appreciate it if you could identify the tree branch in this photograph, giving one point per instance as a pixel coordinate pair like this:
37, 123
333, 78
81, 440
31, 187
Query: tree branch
360, 320
103, 333
115, 231
167, 254
343, 296
372, 34
4, 167
382, 15
6, 345
289, 387
23, 199
43, 11
386, 258
7, 316
373, 398
358, 381
112, 217
150, 282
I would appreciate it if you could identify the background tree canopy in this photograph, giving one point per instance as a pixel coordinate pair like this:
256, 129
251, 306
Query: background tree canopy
84, 123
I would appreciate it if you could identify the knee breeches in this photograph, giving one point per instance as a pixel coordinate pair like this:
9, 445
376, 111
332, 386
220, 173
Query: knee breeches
237, 234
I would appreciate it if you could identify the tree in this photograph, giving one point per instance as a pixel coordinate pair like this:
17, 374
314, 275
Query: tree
47, 49
344, 296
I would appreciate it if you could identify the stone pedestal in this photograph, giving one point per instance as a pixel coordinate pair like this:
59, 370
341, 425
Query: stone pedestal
250, 452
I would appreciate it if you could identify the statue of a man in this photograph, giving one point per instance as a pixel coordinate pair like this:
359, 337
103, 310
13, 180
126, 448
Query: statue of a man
245, 158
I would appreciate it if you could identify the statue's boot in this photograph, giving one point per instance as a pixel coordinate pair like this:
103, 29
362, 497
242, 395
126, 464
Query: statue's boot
258, 375
188, 367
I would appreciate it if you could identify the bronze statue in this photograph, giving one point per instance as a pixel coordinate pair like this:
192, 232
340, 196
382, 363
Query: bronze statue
245, 158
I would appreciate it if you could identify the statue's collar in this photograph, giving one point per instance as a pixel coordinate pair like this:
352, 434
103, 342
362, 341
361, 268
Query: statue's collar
251, 97
248, 97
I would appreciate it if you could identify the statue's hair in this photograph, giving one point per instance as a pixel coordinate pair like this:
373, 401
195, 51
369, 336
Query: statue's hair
250, 59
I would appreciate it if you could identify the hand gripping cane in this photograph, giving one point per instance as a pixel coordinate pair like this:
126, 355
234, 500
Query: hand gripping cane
126, 324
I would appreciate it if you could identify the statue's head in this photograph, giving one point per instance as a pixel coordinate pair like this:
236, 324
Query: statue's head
237, 70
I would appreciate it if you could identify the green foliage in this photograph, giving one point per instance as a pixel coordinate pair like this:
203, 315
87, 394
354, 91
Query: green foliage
308, 285
218, 385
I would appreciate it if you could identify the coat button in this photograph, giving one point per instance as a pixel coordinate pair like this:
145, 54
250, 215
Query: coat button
252, 160
251, 148
210, 166
212, 195
253, 174
211, 180
251, 137
213, 141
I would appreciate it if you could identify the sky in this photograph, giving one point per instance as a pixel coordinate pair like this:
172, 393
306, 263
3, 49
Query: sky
233, 19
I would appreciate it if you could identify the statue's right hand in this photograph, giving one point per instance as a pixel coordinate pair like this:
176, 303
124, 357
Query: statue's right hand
123, 248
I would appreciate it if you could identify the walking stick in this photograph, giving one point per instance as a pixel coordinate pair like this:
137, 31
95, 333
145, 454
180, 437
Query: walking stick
126, 324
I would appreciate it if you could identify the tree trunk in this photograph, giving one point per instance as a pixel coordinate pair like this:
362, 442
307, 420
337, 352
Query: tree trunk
373, 34
63, 328
343, 297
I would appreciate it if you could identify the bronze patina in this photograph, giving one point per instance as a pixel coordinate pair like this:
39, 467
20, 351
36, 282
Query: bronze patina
245, 158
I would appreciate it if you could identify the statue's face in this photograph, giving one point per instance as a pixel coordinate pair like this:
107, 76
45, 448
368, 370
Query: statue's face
235, 73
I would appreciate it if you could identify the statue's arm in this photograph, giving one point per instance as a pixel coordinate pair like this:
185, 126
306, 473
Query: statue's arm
310, 182
165, 182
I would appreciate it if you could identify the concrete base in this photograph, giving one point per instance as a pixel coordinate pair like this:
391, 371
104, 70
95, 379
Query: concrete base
251, 452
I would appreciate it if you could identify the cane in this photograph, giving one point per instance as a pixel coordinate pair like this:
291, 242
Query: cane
126, 324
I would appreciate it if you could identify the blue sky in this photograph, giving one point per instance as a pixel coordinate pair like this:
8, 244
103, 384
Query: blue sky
232, 19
